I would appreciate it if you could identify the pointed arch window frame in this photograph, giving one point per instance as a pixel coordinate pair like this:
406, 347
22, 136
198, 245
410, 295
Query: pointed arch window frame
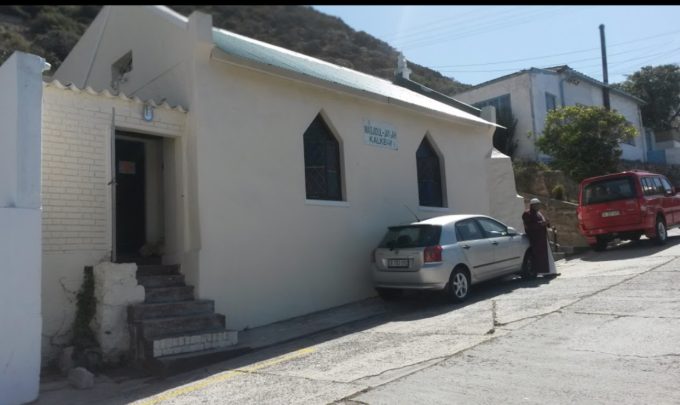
431, 177
324, 161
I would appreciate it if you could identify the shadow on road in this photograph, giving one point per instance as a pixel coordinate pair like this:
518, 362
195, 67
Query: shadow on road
411, 306
630, 250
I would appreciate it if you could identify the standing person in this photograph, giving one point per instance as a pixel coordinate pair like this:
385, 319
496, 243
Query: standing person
536, 227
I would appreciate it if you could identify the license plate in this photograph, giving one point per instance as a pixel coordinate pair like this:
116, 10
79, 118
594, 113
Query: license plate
610, 213
398, 263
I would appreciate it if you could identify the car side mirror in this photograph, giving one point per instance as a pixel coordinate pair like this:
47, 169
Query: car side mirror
512, 231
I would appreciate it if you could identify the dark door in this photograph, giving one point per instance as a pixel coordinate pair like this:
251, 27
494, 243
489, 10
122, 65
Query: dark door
130, 202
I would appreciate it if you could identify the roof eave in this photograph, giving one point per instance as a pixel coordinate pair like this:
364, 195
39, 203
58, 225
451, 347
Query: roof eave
218, 54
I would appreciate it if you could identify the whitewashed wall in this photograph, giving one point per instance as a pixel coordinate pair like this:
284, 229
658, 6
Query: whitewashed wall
587, 93
519, 88
20, 317
268, 254
77, 216
259, 248
527, 96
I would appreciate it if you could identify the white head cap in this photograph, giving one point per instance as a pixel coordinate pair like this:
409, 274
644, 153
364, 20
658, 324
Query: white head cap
534, 201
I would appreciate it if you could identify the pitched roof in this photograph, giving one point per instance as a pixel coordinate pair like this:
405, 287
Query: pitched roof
267, 55
400, 80
557, 70
566, 68
497, 79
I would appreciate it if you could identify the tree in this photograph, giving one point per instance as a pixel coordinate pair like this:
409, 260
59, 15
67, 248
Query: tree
584, 140
659, 86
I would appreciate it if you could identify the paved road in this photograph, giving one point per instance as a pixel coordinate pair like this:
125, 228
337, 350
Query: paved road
606, 331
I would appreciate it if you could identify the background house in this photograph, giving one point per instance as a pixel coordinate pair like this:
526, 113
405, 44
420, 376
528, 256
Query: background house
275, 186
529, 94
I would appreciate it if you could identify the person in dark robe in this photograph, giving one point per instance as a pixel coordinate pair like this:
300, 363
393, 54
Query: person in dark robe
536, 227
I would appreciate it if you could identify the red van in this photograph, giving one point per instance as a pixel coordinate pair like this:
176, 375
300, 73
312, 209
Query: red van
626, 205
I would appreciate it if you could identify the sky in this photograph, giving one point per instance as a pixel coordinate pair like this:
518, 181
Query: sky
473, 44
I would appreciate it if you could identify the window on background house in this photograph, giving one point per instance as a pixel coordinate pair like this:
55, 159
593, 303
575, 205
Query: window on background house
322, 162
429, 176
502, 105
550, 101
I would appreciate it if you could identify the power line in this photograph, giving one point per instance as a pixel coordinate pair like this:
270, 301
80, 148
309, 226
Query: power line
556, 54
645, 57
453, 24
571, 63
467, 31
432, 25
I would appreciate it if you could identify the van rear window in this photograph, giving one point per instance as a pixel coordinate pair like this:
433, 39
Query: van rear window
608, 190
411, 236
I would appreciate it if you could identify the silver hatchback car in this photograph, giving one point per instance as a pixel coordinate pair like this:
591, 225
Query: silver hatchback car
449, 253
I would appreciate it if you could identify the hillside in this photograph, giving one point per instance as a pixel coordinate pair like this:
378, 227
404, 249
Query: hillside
51, 32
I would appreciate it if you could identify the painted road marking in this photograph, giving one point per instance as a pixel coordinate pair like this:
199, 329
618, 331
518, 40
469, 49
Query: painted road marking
224, 376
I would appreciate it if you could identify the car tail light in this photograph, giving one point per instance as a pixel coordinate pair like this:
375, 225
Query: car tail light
432, 254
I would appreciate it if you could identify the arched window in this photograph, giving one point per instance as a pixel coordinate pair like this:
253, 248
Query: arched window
429, 176
322, 162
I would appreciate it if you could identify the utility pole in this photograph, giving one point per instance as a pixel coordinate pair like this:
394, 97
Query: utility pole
605, 89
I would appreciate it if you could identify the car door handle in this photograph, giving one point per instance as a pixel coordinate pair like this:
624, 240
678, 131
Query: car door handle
466, 246
494, 243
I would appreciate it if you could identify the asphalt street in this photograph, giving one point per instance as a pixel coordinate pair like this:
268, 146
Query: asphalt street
607, 330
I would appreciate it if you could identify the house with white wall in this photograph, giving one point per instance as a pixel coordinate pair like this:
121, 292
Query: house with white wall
262, 177
529, 94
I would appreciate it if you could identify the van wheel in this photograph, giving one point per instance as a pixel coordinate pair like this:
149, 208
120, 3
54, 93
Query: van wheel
661, 235
528, 269
600, 245
459, 285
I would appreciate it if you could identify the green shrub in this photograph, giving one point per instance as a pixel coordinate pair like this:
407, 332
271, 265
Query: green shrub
558, 192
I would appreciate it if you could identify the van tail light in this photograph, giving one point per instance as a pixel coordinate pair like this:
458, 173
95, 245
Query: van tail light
432, 254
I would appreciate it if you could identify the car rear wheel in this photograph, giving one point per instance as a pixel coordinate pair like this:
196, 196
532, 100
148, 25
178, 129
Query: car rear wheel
528, 269
661, 235
388, 293
459, 285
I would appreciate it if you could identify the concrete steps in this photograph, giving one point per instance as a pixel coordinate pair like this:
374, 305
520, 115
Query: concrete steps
168, 309
164, 280
157, 270
178, 325
172, 364
169, 294
171, 327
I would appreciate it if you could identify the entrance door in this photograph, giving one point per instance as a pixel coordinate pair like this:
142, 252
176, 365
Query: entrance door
130, 198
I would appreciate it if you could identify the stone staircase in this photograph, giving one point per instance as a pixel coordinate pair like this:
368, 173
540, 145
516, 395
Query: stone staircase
171, 331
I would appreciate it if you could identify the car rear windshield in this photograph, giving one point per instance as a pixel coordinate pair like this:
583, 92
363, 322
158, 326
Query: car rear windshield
620, 188
411, 236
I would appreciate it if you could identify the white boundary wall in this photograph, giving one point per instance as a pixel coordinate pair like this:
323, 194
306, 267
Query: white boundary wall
20, 244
